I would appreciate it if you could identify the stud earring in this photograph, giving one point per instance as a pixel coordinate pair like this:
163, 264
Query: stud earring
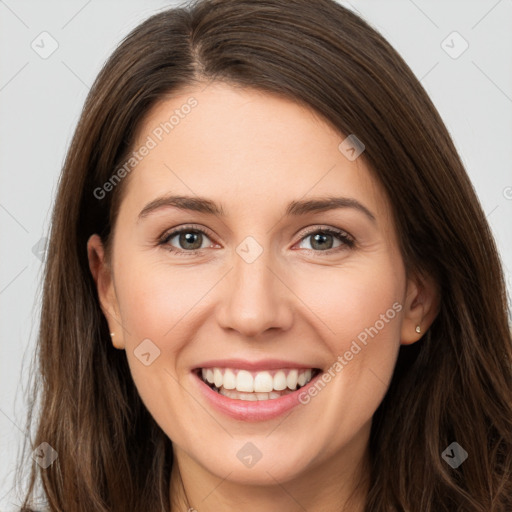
112, 334
418, 329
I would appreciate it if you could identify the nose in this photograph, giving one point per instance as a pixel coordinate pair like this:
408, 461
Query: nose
255, 298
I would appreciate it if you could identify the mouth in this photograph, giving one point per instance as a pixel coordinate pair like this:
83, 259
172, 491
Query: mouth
256, 386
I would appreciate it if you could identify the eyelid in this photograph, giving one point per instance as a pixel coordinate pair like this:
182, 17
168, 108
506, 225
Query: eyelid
325, 229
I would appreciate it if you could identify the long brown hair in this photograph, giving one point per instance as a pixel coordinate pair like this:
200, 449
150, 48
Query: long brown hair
455, 385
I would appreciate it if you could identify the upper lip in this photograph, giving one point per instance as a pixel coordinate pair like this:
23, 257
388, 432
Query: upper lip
260, 365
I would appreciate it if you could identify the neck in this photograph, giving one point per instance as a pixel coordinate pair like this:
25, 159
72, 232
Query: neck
337, 484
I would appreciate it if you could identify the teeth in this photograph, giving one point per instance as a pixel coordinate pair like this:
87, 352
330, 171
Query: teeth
229, 381
280, 381
304, 377
217, 377
244, 381
251, 397
265, 385
263, 382
291, 379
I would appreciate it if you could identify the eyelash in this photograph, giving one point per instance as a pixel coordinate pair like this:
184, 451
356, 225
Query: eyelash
348, 241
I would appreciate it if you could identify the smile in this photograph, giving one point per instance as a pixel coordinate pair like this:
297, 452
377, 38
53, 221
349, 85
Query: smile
239, 384
248, 390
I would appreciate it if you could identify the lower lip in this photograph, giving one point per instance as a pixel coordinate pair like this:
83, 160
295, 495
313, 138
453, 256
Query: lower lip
246, 410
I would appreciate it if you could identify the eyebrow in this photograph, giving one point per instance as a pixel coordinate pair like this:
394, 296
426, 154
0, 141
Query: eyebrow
295, 208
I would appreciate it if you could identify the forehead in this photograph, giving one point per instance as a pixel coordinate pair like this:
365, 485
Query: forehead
246, 149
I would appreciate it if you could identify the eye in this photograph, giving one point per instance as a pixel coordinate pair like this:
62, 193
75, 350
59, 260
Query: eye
186, 240
190, 240
325, 239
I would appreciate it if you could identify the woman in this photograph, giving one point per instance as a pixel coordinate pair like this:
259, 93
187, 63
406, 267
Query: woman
270, 285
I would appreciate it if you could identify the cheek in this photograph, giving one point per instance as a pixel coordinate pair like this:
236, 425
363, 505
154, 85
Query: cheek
156, 298
156, 304
358, 311
352, 299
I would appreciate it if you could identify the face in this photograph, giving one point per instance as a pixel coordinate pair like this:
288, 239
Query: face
256, 285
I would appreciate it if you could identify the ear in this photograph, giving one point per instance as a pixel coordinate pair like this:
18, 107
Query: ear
422, 299
102, 274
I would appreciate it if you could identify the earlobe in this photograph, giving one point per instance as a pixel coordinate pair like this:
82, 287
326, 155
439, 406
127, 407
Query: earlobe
421, 307
102, 276
115, 342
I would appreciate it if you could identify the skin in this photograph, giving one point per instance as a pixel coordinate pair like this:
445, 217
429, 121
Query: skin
253, 153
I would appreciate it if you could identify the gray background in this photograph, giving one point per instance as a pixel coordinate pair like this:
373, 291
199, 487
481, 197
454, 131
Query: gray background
41, 99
